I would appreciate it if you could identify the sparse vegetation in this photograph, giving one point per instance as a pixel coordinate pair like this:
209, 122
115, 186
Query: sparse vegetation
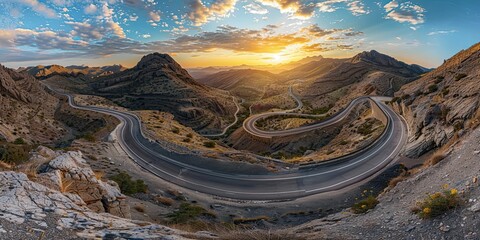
364, 205
432, 88
175, 130
366, 128
321, 110
89, 137
129, 186
187, 212
460, 76
435, 159
139, 208
14, 153
250, 220
165, 201
437, 203
209, 144
19, 141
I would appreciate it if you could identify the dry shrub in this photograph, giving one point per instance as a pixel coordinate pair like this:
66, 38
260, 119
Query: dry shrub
165, 201
139, 208
99, 175
435, 158
260, 235
250, 220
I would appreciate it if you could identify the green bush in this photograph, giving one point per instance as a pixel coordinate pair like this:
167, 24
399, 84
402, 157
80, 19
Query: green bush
460, 76
19, 141
367, 127
187, 212
364, 205
175, 130
14, 153
437, 204
129, 186
89, 137
432, 88
209, 144
321, 110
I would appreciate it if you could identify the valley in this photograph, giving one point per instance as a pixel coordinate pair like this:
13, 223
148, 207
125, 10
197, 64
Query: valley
218, 119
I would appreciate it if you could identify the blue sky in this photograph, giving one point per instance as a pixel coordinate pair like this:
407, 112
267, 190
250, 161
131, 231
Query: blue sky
232, 32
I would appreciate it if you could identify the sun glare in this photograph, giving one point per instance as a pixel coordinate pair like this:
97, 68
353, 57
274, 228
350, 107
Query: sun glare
277, 58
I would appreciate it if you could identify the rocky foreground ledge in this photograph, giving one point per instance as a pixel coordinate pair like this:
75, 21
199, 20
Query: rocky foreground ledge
65, 200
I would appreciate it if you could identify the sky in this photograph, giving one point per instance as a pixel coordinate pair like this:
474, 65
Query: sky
201, 33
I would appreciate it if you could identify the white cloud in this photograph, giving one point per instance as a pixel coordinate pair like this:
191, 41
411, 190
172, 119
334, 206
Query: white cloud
357, 8
107, 16
154, 16
405, 12
133, 18
200, 14
441, 32
146, 36
391, 5
90, 9
255, 8
40, 8
329, 5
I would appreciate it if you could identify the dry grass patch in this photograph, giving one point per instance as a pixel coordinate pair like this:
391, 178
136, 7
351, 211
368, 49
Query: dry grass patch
165, 201
260, 235
250, 220
139, 208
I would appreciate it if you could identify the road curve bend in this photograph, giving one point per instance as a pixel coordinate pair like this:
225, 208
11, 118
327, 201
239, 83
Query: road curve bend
292, 184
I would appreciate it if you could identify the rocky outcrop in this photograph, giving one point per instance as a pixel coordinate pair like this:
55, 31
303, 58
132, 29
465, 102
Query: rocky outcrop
66, 196
22, 200
441, 103
70, 173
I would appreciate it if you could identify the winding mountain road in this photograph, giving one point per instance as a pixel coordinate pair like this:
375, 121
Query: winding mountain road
190, 171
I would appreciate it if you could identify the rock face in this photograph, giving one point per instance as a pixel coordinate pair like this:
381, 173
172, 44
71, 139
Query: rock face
66, 195
442, 103
69, 173
157, 82
25, 201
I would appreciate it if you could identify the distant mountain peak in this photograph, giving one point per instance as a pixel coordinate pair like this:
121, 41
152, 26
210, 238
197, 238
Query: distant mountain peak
156, 59
373, 56
380, 59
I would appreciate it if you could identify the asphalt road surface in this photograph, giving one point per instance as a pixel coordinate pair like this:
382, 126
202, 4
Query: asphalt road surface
232, 180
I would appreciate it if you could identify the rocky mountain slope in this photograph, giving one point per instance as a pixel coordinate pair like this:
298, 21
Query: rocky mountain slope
158, 82
245, 83
367, 73
43, 72
312, 69
443, 102
26, 109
